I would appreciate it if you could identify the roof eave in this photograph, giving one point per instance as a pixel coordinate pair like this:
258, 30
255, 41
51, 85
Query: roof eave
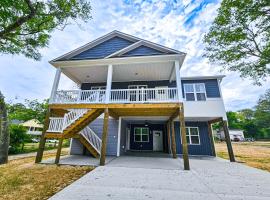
120, 60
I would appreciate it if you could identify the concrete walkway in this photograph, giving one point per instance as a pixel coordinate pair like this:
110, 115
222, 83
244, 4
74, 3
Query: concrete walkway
140, 178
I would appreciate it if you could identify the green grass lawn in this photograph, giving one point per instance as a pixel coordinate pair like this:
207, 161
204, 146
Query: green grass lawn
22, 179
33, 147
254, 154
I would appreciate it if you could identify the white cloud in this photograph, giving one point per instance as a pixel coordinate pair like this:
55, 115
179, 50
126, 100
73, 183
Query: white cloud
152, 21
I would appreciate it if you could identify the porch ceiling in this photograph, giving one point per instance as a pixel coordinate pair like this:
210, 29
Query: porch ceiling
122, 73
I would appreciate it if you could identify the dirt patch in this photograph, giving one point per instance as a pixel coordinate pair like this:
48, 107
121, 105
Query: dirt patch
22, 179
254, 154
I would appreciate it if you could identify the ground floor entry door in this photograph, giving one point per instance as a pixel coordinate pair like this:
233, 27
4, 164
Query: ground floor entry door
157, 141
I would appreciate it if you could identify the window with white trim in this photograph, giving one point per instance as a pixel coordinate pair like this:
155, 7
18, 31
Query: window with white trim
195, 91
98, 88
192, 134
141, 134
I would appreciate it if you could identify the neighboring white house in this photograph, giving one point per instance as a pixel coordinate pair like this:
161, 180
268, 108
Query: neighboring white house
34, 127
235, 134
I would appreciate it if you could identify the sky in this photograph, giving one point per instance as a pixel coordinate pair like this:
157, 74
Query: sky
176, 24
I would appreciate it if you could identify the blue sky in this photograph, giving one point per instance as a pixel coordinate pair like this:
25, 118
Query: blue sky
176, 24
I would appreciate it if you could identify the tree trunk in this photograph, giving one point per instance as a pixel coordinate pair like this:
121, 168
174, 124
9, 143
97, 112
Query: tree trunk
22, 146
4, 135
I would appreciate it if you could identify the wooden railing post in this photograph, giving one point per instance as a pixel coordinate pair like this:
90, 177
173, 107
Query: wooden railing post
184, 138
173, 139
58, 153
42, 141
228, 140
104, 137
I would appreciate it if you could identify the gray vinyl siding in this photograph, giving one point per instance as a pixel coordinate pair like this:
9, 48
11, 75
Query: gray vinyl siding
205, 146
97, 127
143, 51
211, 85
76, 147
104, 49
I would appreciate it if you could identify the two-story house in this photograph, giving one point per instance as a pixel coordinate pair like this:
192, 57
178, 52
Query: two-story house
132, 97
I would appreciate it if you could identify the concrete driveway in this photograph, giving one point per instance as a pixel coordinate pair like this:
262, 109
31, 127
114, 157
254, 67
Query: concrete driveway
157, 178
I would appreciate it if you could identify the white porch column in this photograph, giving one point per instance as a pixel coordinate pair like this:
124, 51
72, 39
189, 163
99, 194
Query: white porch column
109, 83
178, 80
55, 83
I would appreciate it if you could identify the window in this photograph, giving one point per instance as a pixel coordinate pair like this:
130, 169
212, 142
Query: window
98, 88
195, 92
141, 134
192, 134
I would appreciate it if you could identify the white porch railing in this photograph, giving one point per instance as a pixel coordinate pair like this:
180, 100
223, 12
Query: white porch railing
58, 124
143, 95
79, 96
92, 138
72, 116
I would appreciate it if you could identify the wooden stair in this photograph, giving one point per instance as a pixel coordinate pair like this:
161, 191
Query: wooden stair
89, 147
82, 122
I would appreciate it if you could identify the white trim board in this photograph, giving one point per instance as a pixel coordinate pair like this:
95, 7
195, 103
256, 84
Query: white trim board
119, 137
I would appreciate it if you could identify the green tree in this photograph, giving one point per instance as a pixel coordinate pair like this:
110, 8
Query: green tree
262, 113
26, 25
29, 110
247, 114
4, 135
18, 137
239, 38
234, 120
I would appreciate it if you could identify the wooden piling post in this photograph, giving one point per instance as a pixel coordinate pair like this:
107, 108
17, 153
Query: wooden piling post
169, 137
58, 153
42, 141
210, 132
173, 139
184, 138
104, 137
228, 140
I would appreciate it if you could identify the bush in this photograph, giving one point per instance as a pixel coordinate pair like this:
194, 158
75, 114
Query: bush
18, 137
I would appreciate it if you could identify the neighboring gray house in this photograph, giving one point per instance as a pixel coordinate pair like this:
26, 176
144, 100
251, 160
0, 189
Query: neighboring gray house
138, 84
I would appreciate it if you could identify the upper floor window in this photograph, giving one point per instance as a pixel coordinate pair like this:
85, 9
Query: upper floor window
192, 134
195, 92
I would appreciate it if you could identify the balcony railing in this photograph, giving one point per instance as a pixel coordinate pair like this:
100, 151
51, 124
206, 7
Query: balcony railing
143, 95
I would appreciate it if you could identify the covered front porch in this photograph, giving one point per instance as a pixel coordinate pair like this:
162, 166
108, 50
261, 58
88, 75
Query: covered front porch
154, 79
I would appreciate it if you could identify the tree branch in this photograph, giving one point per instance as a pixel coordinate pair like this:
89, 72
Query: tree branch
20, 20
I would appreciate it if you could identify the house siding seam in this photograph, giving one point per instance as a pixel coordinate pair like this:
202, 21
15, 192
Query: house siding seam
143, 51
211, 85
205, 146
104, 49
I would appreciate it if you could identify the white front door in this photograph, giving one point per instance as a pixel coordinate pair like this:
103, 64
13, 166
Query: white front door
157, 141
